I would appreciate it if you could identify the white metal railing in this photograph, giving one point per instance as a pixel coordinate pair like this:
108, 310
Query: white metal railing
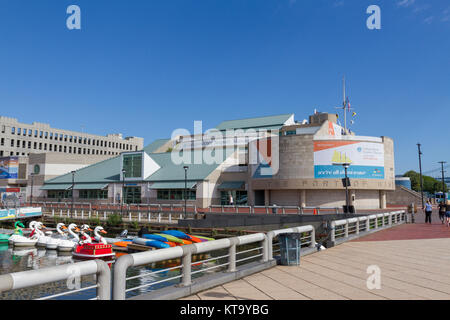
25, 279
341, 230
185, 254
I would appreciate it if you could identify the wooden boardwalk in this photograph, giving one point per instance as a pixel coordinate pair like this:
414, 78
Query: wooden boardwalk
414, 261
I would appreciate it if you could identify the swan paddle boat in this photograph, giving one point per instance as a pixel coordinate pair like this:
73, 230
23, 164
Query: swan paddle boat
22, 241
53, 242
18, 226
100, 249
69, 244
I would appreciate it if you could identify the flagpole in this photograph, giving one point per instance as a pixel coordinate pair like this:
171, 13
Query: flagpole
345, 113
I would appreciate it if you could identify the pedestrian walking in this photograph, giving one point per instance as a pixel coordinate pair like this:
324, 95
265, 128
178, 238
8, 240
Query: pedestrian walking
428, 211
442, 209
447, 213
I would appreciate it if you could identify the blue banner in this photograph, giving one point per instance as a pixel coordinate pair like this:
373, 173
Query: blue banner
353, 172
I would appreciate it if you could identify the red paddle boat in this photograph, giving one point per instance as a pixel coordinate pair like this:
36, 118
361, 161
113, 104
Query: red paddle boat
87, 249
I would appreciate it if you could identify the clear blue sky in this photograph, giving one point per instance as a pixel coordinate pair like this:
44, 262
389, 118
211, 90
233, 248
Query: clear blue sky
145, 68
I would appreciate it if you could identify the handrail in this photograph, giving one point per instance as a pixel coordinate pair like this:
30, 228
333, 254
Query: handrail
25, 279
378, 220
185, 253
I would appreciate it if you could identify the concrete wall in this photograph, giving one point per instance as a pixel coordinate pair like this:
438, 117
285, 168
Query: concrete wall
403, 197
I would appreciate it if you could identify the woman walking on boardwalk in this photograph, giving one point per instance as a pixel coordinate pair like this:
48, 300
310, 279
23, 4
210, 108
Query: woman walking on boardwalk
442, 209
428, 211
447, 213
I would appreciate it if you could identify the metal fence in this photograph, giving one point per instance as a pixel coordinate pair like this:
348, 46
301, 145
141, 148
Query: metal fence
25, 279
341, 230
259, 246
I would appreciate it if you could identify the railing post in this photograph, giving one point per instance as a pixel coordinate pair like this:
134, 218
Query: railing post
346, 229
357, 226
333, 232
53, 212
129, 216
139, 216
159, 216
367, 224
103, 280
170, 217
232, 255
186, 260
104, 215
312, 245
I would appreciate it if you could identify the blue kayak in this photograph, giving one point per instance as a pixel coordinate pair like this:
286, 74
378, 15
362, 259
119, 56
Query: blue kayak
151, 243
154, 237
178, 234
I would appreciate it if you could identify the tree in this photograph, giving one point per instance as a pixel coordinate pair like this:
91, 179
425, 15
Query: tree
430, 184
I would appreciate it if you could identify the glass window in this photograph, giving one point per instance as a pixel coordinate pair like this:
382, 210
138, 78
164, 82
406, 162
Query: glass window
46, 135
12, 142
41, 134
93, 194
175, 194
132, 163
239, 197
19, 131
132, 195
59, 194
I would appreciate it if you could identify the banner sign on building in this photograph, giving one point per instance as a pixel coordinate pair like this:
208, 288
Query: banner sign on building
366, 159
9, 167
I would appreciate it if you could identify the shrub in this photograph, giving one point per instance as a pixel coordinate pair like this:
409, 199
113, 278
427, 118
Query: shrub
94, 222
134, 224
114, 220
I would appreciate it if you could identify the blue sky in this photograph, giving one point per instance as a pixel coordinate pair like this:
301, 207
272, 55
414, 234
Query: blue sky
145, 68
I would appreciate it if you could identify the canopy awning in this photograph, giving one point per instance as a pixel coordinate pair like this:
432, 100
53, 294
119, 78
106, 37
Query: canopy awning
231, 185
62, 186
173, 185
90, 186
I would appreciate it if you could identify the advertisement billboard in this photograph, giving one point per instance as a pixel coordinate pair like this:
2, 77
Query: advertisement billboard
366, 159
9, 167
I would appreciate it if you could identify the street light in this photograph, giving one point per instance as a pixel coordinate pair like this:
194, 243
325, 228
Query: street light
32, 182
346, 183
73, 185
123, 191
185, 189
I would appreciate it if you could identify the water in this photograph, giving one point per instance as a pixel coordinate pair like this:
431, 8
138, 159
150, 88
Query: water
23, 259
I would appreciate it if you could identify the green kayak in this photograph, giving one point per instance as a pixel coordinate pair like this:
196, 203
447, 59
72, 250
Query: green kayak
206, 238
4, 237
170, 238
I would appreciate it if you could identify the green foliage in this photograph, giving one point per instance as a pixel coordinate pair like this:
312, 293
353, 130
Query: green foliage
114, 220
94, 222
169, 149
134, 224
430, 184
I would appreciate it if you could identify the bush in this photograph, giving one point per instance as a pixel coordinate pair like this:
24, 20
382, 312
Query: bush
94, 222
114, 220
134, 225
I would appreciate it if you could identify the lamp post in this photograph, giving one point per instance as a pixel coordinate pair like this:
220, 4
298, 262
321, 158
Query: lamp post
443, 180
185, 189
346, 182
32, 182
123, 191
73, 185
420, 169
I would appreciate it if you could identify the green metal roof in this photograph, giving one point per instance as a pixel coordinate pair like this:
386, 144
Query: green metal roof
108, 171
61, 186
231, 185
101, 172
170, 171
155, 145
173, 185
274, 122
90, 186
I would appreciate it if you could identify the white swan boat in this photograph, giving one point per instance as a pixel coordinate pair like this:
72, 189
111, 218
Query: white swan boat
70, 244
